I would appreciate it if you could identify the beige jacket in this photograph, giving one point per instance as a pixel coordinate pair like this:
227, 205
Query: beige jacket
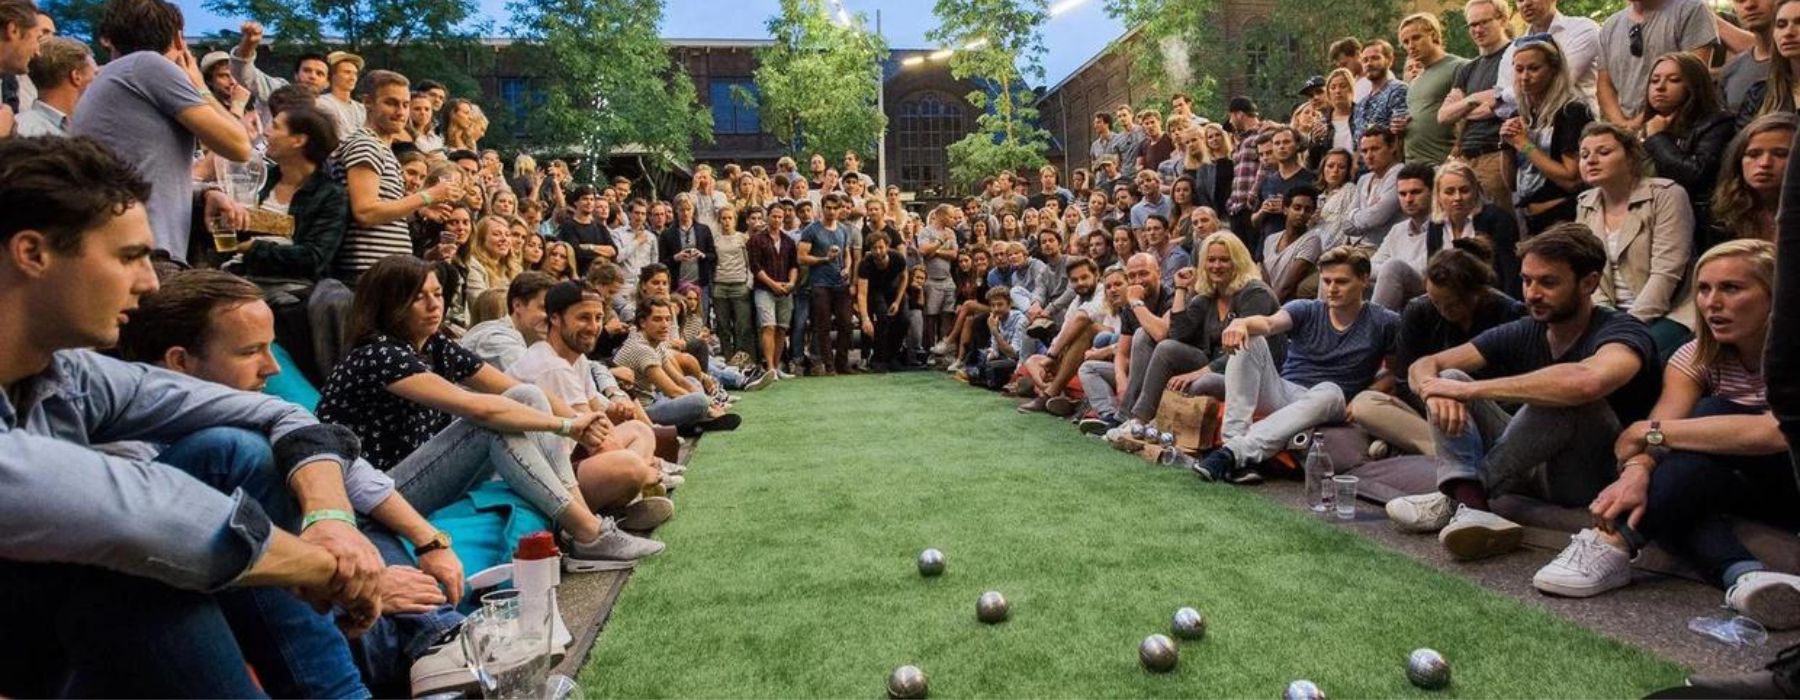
1658, 233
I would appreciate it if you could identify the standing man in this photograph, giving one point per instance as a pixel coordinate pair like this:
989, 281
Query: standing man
1751, 65
62, 71
937, 244
339, 102
1286, 174
1474, 100
1106, 145
1246, 169
1632, 39
1387, 95
1346, 53
20, 34
1048, 189
1579, 40
311, 70
824, 249
1428, 140
587, 232
776, 271
379, 203
1131, 135
1158, 145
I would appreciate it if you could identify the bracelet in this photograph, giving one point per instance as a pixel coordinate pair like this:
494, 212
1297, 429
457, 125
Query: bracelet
425, 196
319, 516
567, 427
1529, 147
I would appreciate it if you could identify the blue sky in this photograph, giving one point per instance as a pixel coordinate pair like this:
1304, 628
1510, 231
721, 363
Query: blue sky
1072, 37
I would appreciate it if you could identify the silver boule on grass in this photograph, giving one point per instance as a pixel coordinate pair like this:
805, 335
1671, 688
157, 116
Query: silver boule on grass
1427, 669
906, 682
931, 563
1188, 623
1158, 654
991, 607
1303, 690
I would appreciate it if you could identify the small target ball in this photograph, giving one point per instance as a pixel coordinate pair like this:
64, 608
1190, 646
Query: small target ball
931, 562
906, 682
1303, 690
1158, 654
1188, 624
991, 607
1427, 669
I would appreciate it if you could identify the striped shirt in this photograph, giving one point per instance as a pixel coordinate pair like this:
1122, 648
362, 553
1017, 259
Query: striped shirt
1726, 378
366, 245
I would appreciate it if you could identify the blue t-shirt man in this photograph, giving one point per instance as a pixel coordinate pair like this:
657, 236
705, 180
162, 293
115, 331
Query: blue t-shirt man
823, 239
1318, 352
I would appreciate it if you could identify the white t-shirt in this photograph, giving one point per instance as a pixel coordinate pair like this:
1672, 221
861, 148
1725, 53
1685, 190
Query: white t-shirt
573, 383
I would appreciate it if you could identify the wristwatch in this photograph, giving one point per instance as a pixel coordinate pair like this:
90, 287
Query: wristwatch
439, 540
1654, 437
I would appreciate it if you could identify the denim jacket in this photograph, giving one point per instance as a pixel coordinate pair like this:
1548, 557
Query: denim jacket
62, 501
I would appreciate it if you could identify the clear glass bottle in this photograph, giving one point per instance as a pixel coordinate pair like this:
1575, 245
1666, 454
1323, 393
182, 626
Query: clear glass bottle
1319, 471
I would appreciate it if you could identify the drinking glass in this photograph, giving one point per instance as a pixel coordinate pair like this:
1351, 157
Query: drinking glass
224, 232
1345, 486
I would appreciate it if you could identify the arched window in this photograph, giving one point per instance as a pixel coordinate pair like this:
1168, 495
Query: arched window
929, 122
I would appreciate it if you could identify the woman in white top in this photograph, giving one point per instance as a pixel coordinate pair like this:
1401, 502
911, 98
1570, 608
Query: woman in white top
1337, 192
1648, 228
731, 289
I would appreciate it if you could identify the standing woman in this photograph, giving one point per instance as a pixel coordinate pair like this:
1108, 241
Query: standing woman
1647, 226
731, 289
460, 128
1546, 135
422, 125
1688, 129
1340, 95
1219, 147
1750, 183
502, 203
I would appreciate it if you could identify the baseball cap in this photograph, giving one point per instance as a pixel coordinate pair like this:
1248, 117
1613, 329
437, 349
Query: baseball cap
1313, 84
567, 294
212, 59
336, 57
1242, 104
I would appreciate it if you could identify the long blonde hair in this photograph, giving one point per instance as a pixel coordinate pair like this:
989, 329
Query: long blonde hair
1542, 112
500, 272
1761, 256
1244, 269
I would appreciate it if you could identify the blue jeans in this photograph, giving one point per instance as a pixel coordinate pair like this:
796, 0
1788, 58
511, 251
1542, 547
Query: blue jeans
463, 455
1503, 452
797, 330
296, 651
681, 411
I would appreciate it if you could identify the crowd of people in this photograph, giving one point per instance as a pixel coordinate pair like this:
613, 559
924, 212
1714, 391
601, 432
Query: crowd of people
1550, 266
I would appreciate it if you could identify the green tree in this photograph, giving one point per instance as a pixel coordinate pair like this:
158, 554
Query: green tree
1001, 48
606, 80
818, 86
1164, 46
1285, 47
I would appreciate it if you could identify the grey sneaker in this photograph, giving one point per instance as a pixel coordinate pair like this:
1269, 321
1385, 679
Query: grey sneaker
1060, 406
647, 513
1768, 597
762, 380
1477, 534
615, 550
443, 669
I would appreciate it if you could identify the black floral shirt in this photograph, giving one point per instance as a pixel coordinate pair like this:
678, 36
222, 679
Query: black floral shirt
356, 394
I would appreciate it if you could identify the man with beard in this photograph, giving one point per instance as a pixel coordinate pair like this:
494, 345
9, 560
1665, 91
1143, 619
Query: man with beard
615, 476
1579, 371
880, 292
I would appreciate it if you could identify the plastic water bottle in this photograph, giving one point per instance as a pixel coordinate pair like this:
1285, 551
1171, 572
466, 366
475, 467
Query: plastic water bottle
537, 570
1319, 471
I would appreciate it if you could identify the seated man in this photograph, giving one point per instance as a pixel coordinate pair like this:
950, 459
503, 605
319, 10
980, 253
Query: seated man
502, 341
1460, 302
1577, 369
121, 565
992, 366
1053, 296
1399, 263
215, 327
1089, 316
1142, 324
613, 478
1710, 448
1335, 348
668, 396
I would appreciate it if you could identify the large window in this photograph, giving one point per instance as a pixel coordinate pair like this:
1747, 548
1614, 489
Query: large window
519, 98
730, 116
928, 123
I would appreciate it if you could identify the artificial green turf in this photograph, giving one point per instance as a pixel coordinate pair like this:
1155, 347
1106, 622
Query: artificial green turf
790, 572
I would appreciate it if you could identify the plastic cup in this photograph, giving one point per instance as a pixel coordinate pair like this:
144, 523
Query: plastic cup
502, 604
1345, 487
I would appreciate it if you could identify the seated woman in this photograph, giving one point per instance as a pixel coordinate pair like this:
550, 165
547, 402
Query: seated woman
531, 245
1710, 449
1750, 182
402, 391
1459, 303
1191, 361
490, 260
971, 296
1459, 212
1648, 229
1687, 128
299, 190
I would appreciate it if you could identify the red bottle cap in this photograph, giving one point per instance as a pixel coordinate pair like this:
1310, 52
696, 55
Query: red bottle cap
537, 545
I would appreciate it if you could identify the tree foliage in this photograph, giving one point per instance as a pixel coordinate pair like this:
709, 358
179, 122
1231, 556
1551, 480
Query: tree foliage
1166, 46
363, 26
998, 44
606, 79
818, 86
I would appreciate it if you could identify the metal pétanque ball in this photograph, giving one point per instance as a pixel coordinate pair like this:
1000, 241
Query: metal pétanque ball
1166, 438
1427, 669
1188, 623
931, 562
991, 607
906, 682
1158, 653
1303, 690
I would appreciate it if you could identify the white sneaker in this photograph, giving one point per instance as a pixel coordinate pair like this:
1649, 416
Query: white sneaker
1768, 597
1477, 534
1586, 568
783, 374
942, 348
672, 468
955, 367
673, 481
1426, 512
